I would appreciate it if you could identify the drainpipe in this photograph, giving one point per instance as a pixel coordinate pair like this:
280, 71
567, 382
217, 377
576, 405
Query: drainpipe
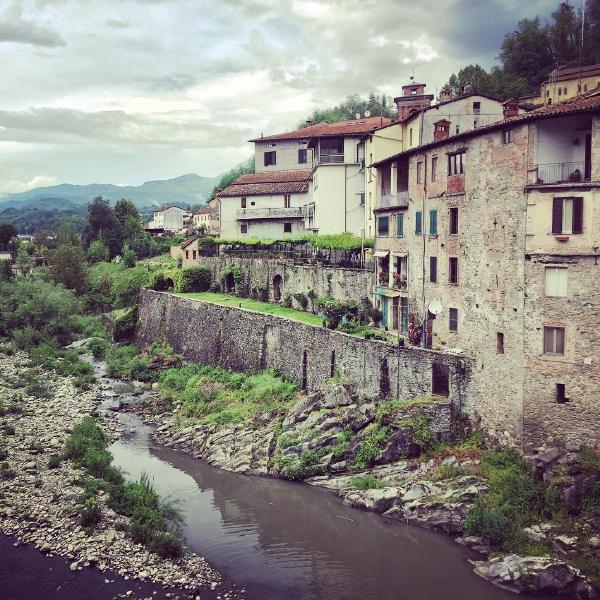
423, 229
345, 198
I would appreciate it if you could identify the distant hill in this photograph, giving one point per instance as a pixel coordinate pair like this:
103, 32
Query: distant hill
186, 189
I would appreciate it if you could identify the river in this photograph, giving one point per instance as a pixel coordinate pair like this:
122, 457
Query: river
282, 540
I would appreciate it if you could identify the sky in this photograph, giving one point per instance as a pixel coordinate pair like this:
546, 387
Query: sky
126, 91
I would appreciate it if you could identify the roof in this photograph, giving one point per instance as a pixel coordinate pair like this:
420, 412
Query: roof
203, 211
590, 103
273, 182
163, 208
567, 73
325, 129
188, 242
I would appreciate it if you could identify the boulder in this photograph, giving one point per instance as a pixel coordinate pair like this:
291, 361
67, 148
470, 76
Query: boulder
338, 395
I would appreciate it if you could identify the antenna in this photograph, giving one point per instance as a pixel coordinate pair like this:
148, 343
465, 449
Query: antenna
357, 116
581, 45
367, 113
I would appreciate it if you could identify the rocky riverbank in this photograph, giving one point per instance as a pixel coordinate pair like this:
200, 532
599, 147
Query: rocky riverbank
39, 494
333, 428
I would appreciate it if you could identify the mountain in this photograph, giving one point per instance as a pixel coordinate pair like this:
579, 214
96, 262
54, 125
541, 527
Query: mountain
186, 189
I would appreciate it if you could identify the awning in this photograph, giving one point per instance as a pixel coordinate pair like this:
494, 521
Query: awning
387, 293
381, 253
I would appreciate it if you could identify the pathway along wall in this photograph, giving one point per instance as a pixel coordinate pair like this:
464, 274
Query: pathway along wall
244, 340
343, 284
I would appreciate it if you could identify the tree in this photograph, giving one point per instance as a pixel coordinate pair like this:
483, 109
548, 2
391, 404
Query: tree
40, 241
67, 233
592, 32
23, 262
6, 272
129, 257
102, 224
564, 35
7, 234
129, 218
68, 267
97, 252
233, 174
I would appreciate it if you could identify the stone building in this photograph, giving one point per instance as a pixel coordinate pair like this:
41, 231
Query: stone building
489, 245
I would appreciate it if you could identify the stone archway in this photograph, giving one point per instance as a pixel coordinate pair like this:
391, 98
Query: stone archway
229, 283
277, 287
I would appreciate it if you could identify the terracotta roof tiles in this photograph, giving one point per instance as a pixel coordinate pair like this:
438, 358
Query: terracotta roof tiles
265, 183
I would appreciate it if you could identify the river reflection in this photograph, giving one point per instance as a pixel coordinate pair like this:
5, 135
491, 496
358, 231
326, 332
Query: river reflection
289, 541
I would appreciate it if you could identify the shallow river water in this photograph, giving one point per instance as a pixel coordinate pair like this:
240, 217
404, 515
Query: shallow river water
289, 541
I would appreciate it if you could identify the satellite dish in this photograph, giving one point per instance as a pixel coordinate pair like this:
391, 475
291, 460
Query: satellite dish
435, 307
367, 113
357, 116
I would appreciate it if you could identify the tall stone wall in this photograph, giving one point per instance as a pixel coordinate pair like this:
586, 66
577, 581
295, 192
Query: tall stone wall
343, 284
243, 340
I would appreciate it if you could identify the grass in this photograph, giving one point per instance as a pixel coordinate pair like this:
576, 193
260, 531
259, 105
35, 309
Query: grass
370, 447
269, 308
212, 395
300, 467
64, 362
154, 522
366, 482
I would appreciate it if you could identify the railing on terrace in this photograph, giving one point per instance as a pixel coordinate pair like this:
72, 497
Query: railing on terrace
398, 200
302, 253
326, 157
248, 214
571, 172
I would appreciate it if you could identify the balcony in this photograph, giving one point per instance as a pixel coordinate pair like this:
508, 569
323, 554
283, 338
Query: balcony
399, 200
251, 214
327, 158
567, 172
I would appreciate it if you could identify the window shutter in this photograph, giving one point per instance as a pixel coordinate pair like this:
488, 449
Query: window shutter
557, 210
577, 215
433, 222
418, 226
399, 226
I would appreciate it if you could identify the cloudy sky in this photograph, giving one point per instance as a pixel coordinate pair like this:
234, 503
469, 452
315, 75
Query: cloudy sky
124, 91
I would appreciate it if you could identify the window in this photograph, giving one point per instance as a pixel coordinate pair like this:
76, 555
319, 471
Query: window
457, 129
453, 227
243, 202
440, 379
418, 222
476, 107
434, 162
499, 343
567, 215
302, 155
561, 393
404, 315
456, 163
244, 228
383, 226
410, 137
187, 254
433, 269
556, 281
453, 319
420, 172
286, 200
270, 158
453, 269
433, 222
194, 254
554, 340
559, 91
399, 225
287, 228
361, 198
507, 136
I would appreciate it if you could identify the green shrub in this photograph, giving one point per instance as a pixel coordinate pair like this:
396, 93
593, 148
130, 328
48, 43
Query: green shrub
334, 311
161, 281
124, 325
90, 326
97, 347
287, 440
166, 545
302, 467
91, 514
193, 279
370, 447
54, 461
119, 360
302, 300
366, 482
447, 472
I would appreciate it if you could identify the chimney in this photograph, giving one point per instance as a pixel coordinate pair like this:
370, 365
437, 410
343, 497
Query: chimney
510, 108
309, 122
445, 95
441, 129
413, 100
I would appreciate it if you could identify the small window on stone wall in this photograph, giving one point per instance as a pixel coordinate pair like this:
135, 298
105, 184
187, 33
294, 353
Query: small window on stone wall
499, 343
440, 379
561, 393
384, 379
332, 365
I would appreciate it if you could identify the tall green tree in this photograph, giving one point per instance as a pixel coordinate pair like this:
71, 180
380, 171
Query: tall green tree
564, 35
68, 266
67, 233
102, 224
7, 234
129, 218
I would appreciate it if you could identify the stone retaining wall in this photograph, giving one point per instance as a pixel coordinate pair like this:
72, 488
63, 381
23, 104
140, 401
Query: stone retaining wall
244, 340
343, 284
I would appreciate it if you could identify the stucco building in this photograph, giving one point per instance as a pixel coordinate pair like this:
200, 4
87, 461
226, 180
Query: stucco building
488, 243
168, 218
565, 83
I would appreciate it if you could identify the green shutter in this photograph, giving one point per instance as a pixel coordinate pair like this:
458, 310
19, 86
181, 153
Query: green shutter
433, 222
400, 225
419, 222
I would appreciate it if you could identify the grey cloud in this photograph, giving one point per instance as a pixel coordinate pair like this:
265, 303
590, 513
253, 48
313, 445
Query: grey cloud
64, 125
14, 28
118, 23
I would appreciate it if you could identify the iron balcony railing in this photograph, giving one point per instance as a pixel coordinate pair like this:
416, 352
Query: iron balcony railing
249, 214
398, 200
328, 158
572, 172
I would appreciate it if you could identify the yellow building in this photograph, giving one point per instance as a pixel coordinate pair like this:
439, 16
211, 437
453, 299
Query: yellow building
566, 83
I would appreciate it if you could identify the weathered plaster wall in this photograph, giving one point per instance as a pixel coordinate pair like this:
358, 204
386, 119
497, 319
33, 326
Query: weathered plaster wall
244, 340
344, 284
